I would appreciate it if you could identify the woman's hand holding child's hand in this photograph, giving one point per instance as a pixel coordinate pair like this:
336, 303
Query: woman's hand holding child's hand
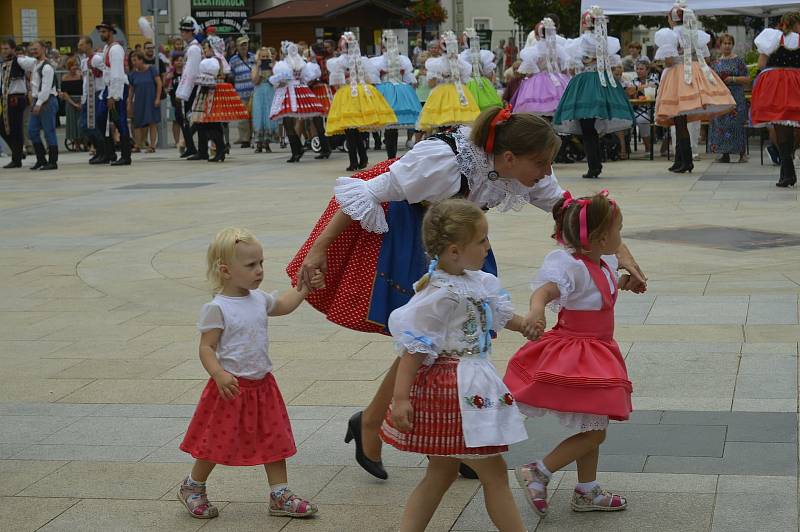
227, 384
403, 415
533, 326
318, 280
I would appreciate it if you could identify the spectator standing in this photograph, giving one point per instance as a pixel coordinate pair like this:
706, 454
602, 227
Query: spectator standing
144, 101
510, 54
172, 80
499, 58
242, 64
263, 94
71, 92
727, 131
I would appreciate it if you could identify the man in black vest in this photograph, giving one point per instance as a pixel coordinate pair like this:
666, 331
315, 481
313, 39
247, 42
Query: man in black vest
13, 91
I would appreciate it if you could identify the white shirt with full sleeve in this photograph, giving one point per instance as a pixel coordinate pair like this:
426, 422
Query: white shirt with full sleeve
451, 317
381, 65
670, 42
438, 68
243, 348
432, 172
486, 64
341, 68
42, 77
114, 76
770, 39
534, 58
191, 69
586, 46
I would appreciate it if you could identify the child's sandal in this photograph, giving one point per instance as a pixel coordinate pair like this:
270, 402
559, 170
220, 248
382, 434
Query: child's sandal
537, 498
195, 500
289, 504
598, 500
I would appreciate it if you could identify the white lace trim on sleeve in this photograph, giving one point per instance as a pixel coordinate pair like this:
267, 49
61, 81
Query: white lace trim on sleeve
358, 202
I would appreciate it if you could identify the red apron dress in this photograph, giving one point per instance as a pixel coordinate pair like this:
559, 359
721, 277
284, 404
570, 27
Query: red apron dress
577, 366
253, 428
775, 92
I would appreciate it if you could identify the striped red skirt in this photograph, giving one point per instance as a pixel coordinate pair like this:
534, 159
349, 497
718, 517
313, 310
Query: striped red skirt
437, 416
308, 105
325, 95
253, 428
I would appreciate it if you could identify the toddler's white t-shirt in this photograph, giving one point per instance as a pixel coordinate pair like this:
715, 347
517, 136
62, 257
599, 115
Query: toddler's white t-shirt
243, 348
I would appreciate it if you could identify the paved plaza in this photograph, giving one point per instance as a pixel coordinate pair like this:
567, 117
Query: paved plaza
102, 277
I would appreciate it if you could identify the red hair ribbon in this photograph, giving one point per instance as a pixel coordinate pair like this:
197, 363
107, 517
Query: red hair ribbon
499, 118
584, 226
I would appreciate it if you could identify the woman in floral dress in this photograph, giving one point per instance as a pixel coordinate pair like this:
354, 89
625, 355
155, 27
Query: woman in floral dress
728, 133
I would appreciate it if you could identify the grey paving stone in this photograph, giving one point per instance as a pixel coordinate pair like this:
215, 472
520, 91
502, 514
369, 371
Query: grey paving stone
756, 484
739, 458
653, 511
121, 453
475, 517
768, 364
691, 440
317, 412
694, 362
47, 409
764, 405
766, 386
686, 347
119, 431
774, 348
134, 410
643, 417
30, 429
755, 511
742, 426
96, 515
772, 310
693, 310
7, 450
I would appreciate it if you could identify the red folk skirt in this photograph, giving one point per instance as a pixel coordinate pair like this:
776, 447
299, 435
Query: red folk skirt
253, 428
352, 264
308, 105
222, 105
575, 367
775, 97
324, 93
437, 416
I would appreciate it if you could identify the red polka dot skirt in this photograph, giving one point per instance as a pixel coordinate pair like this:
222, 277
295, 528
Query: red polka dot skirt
352, 263
253, 428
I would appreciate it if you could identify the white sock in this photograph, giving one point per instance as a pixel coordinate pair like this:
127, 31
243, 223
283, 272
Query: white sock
543, 469
193, 482
278, 489
540, 466
586, 487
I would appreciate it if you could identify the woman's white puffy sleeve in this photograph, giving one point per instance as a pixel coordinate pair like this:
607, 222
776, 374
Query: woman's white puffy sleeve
408, 70
487, 63
436, 67
429, 172
768, 41
499, 300
371, 70
613, 45
529, 57
667, 41
336, 68
281, 74
466, 70
420, 326
703, 39
310, 72
561, 268
546, 193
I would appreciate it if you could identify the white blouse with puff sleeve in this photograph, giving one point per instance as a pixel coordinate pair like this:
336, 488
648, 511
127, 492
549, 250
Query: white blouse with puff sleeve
669, 42
432, 172
575, 284
770, 39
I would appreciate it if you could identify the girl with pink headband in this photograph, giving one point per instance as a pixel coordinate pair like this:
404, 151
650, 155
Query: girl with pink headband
575, 370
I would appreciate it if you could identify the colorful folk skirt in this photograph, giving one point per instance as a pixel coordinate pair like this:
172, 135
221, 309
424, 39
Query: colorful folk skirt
367, 110
539, 94
700, 100
485, 93
444, 108
218, 104
585, 97
776, 97
295, 101
404, 102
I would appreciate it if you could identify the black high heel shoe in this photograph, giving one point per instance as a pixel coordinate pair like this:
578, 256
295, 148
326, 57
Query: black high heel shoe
362, 165
354, 433
323, 155
351, 168
591, 175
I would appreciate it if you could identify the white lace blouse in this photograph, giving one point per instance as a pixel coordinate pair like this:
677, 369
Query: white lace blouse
452, 317
432, 172
439, 68
669, 42
534, 58
575, 284
770, 39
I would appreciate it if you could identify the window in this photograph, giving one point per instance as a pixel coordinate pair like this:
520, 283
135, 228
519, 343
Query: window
66, 12
482, 23
114, 12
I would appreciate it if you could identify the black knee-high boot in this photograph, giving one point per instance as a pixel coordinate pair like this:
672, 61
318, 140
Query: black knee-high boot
788, 174
216, 136
390, 140
353, 138
591, 145
297, 148
363, 161
41, 157
202, 144
124, 151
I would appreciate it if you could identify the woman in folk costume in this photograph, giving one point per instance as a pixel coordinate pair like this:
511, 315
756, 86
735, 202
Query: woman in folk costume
689, 92
777, 89
397, 86
483, 67
294, 100
357, 106
450, 103
217, 101
544, 60
594, 103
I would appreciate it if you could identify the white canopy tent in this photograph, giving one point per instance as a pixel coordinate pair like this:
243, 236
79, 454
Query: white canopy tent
701, 7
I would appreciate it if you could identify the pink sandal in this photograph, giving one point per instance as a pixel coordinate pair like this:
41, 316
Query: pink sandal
289, 504
597, 500
195, 500
537, 498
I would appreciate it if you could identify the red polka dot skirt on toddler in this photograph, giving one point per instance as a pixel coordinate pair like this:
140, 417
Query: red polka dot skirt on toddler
253, 428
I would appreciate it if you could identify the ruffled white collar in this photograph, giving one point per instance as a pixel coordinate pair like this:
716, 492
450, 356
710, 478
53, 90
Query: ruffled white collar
478, 167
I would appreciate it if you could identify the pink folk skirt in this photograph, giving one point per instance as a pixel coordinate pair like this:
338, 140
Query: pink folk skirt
253, 428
